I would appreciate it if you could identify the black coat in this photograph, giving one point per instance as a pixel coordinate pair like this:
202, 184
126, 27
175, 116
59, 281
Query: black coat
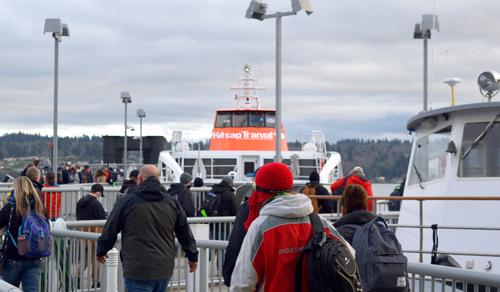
149, 220
89, 208
325, 206
184, 197
345, 224
228, 205
16, 221
235, 241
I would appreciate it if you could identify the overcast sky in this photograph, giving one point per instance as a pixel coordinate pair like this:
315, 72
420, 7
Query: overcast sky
351, 69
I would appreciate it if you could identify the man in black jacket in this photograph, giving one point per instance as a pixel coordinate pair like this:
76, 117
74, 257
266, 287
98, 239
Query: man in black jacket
180, 192
89, 208
147, 220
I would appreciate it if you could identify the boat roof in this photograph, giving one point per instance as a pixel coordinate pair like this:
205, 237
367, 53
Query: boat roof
415, 121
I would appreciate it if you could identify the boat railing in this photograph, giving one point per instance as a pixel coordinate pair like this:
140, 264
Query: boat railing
62, 274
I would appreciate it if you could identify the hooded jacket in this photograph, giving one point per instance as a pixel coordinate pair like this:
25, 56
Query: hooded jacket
228, 205
184, 196
273, 244
355, 180
345, 224
148, 219
16, 221
89, 208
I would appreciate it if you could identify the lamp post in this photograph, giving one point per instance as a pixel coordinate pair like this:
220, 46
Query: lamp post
141, 114
58, 30
423, 31
126, 98
257, 10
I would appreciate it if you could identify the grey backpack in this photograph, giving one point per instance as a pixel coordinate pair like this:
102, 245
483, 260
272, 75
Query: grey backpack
380, 259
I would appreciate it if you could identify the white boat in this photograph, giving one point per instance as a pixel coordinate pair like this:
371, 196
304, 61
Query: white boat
243, 139
456, 153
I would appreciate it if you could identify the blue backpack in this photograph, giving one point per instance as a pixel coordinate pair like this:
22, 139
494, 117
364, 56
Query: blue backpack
380, 259
34, 239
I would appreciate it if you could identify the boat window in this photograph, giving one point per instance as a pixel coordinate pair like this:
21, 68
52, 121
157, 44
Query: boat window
483, 160
240, 119
429, 159
270, 119
223, 119
256, 119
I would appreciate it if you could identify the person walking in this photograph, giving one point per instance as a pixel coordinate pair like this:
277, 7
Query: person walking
313, 187
18, 269
51, 200
89, 208
354, 209
278, 228
148, 219
356, 177
180, 192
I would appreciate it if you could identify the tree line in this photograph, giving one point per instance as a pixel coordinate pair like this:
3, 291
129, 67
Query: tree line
379, 158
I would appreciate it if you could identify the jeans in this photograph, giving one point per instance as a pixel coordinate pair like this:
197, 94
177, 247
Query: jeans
26, 271
146, 286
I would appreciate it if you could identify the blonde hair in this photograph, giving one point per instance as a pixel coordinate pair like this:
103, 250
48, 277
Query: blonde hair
23, 188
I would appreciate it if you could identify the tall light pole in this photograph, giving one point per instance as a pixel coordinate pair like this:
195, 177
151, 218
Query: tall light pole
58, 30
141, 114
257, 10
126, 98
423, 31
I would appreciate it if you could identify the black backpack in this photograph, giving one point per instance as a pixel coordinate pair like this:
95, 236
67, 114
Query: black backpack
340, 190
380, 258
395, 205
211, 205
330, 264
60, 180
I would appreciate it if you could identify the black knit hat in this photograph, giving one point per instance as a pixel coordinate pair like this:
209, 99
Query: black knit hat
314, 176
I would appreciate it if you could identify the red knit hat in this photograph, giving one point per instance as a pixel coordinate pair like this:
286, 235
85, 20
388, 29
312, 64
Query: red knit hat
272, 179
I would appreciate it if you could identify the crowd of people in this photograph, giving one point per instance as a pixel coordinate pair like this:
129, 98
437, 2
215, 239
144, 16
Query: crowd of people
270, 219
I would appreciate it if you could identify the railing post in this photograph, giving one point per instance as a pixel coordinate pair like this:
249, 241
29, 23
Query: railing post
200, 231
112, 271
420, 254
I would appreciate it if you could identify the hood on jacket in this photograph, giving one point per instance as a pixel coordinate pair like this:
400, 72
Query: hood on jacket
222, 187
176, 188
358, 217
85, 200
151, 189
288, 206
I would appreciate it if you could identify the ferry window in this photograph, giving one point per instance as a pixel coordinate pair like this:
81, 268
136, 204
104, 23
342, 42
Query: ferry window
429, 159
223, 119
256, 119
270, 119
483, 159
240, 119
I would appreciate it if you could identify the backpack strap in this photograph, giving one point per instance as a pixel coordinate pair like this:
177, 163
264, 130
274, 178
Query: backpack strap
4, 247
318, 237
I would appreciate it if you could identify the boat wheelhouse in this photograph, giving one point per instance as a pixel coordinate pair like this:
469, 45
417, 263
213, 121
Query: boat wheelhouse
456, 153
243, 139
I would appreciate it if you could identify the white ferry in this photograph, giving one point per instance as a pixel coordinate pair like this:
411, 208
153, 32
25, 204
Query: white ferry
243, 139
456, 153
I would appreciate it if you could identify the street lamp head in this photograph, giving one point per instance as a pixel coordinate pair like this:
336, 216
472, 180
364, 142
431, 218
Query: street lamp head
54, 26
125, 96
298, 5
141, 113
65, 30
256, 10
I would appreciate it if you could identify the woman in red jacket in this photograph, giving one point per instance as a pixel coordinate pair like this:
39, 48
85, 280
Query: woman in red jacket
356, 177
